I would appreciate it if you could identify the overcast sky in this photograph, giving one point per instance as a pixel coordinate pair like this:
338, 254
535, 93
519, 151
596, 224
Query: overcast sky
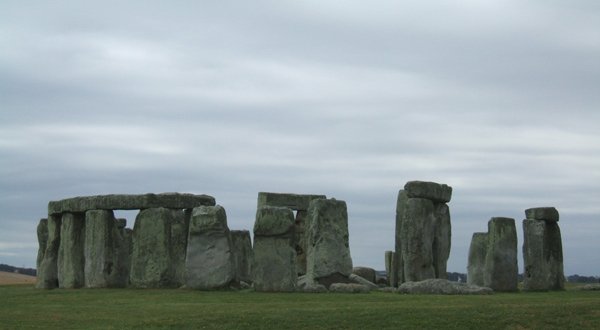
350, 99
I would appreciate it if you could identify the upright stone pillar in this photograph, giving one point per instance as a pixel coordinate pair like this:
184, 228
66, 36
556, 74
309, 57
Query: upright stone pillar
501, 272
42, 235
209, 262
274, 265
328, 258
99, 252
242, 252
477, 257
71, 251
151, 261
423, 232
48, 272
179, 237
542, 250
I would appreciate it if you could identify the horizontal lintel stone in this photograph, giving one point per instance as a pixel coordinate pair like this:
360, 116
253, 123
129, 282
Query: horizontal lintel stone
542, 213
293, 201
439, 193
129, 202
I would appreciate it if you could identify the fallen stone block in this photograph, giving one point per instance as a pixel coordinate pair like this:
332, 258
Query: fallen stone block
439, 286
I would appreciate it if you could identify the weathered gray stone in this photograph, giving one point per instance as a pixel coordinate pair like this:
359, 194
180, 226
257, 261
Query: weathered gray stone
501, 271
439, 193
293, 201
70, 253
477, 257
274, 267
99, 248
587, 287
151, 261
348, 288
396, 276
209, 263
42, 235
327, 244
300, 241
121, 223
179, 241
542, 256
242, 253
542, 213
417, 236
389, 289
440, 286
388, 266
48, 272
365, 272
362, 281
442, 240
317, 288
129, 202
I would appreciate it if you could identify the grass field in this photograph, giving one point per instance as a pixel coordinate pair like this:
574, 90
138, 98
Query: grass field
14, 278
22, 306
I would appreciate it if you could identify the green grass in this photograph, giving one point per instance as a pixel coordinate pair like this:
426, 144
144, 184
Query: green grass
23, 307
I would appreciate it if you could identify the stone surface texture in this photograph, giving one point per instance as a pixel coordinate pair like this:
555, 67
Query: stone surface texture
241, 245
367, 273
501, 271
328, 257
48, 272
542, 256
274, 265
477, 256
439, 193
440, 286
542, 213
71, 251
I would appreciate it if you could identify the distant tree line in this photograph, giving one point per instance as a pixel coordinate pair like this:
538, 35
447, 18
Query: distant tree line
12, 269
582, 279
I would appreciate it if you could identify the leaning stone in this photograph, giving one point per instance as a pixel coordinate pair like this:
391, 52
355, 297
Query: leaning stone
48, 272
501, 272
209, 263
151, 264
328, 254
417, 236
366, 273
129, 202
293, 201
242, 253
359, 280
70, 253
274, 265
477, 256
348, 288
440, 286
439, 193
42, 235
542, 213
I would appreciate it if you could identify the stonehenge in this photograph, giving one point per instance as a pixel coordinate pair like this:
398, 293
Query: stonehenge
300, 243
542, 250
423, 233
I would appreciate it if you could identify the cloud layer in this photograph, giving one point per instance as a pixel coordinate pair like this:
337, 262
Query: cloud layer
347, 99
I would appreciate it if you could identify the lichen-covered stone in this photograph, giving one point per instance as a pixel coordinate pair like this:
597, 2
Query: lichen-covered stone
129, 202
477, 257
542, 213
365, 272
151, 261
417, 236
70, 253
440, 286
179, 241
501, 271
274, 266
293, 201
542, 256
48, 272
99, 252
362, 281
442, 240
439, 193
242, 253
42, 235
209, 263
327, 241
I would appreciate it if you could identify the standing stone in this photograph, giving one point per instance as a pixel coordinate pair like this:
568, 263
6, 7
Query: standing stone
101, 268
365, 272
70, 252
388, 266
300, 241
151, 262
477, 257
501, 271
209, 262
42, 235
274, 266
327, 245
542, 251
48, 272
442, 240
417, 236
397, 275
179, 236
242, 252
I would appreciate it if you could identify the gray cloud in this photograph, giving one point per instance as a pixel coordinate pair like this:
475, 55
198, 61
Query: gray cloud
348, 99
